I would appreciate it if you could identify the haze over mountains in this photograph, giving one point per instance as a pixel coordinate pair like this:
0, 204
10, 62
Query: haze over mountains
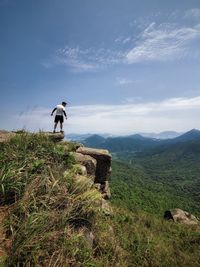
161, 135
136, 142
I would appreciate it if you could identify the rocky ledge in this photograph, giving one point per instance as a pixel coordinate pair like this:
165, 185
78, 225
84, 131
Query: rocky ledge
6, 135
94, 163
97, 163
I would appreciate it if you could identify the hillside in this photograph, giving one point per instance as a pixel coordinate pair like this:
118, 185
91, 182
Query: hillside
132, 143
170, 172
52, 213
193, 134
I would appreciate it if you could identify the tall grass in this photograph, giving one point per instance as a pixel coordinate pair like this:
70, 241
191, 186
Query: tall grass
52, 206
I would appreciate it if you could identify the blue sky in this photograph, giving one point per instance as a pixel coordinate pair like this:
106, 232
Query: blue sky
123, 66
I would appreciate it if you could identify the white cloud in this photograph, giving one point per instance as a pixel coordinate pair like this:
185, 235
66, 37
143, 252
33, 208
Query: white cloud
81, 60
175, 114
162, 43
157, 42
126, 40
124, 81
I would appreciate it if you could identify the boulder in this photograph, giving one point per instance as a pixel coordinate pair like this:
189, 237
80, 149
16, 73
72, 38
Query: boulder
181, 216
87, 161
56, 137
80, 169
103, 159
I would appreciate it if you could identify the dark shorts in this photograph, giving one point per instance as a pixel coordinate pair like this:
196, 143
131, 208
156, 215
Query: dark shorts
58, 118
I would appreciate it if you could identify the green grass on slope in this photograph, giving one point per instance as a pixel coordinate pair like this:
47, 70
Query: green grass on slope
153, 242
52, 207
149, 239
133, 187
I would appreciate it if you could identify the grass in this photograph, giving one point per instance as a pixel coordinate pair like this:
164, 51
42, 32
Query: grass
53, 207
151, 241
55, 216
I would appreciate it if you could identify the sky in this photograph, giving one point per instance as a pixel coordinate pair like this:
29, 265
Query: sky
123, 66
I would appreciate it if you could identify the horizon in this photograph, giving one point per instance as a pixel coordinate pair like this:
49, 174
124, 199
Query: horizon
123, 67
145, 134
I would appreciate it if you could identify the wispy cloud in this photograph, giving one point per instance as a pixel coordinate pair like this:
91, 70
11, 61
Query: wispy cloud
81, 60
163, 43
156, 42
124, 81
175, 113
193, 13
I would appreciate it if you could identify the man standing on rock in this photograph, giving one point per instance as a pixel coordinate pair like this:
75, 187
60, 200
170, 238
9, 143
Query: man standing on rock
60, 111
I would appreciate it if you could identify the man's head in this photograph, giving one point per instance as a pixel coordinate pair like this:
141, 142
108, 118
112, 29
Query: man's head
64, 104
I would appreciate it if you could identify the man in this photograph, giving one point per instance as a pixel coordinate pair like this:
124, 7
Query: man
60, 110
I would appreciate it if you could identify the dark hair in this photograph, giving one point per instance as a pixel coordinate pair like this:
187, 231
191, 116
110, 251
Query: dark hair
64, 103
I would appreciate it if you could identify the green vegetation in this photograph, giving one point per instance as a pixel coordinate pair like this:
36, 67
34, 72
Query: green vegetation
132, 187
160, 178
52, 207
119, 144
53, 210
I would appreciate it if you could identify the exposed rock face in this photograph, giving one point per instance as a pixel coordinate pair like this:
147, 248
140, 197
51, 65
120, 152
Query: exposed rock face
98, 165
81, 169
87, 161
181, 216
55, 136
103, 158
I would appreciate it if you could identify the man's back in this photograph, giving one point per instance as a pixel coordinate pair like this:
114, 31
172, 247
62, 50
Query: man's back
59, 110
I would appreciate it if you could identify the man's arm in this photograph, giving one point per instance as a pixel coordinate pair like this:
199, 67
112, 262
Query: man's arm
53, 111
65, 114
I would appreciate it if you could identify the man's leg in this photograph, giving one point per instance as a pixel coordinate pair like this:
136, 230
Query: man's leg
55, 125
61, 126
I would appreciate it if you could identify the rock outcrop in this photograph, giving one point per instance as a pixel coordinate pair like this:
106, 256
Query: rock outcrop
181, 216
94, 163
98, 165
56, 137
89, 162
6, 135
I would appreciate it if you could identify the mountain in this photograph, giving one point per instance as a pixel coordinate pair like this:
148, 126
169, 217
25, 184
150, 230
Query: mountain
94, 140
162, 135
81, 137
77, 137
172, 169
136, 143
131, 143
193, 134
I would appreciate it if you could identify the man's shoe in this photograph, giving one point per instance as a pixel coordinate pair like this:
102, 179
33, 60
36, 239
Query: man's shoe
54, 131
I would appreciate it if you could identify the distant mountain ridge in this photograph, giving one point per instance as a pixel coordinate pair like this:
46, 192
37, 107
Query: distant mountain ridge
136, 142
162, 135
191, 135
